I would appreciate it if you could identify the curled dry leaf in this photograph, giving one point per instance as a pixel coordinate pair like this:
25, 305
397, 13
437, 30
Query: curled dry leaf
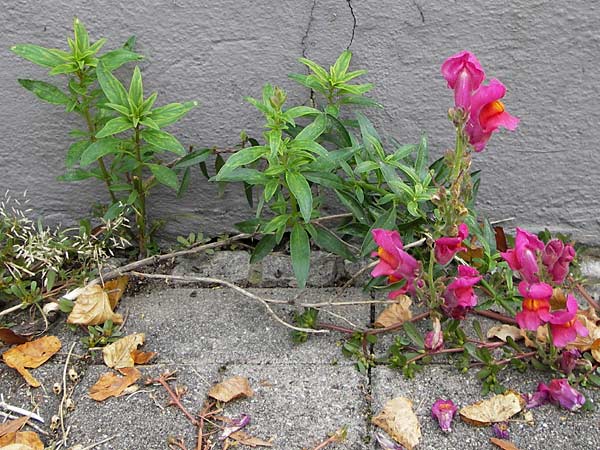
250, 441
92, 307
140, 357
21, 440
230, 389
590, 320
498, 408
9, 337
112, 385
399, 421
119, 354
12, 425
397, 312
115, 289
31, 355
503, 444
504, 331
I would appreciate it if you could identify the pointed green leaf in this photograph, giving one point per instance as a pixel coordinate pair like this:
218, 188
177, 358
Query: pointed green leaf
114, 126
300, 253
318, 71
300, 189
168, 114
313, 130
75, 151
64, 68
163, 140
46, 91
37, 55
241, 158
98, 149
191, 159
116, 58
77, 175
112, 88
165, 176
136, 88
263, 248
148, 103
148, 122
329, 241
342, 63
413, 334
95, 47
185, 182
82, 40
119, 108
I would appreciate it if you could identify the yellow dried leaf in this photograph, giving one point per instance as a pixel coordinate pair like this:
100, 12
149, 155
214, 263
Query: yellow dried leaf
589, 320
498, 408
399, 421
503, 444
112, 385
503, 331
230, 389
250, 441
115, 289
12, 425
398, 312
21, 440
118, 354
92, 307
31, 355
595, 350
140, 357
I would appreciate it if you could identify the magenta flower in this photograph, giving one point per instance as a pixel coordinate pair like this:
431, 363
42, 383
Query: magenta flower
487, 114
564, 324
447, 247
386, 443
537, 399
501, 430
523, 258
459, 296
394, 262
556, 257
235, 425
444, 411
536, 305
464, 74
560, 392
434, 339
568, 360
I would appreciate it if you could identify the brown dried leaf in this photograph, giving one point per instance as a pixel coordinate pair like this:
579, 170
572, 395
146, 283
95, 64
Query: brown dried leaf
395, 313
112, 385
503, 331
230, 389
250, 441
119, 353
21, 440
399, 421
9, 337
115, 289
595, 350
92, 307
31, 355
503, 444
589, 319
140, 357
498, 408
12, 425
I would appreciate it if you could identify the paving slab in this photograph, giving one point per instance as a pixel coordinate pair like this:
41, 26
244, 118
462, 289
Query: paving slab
553, 428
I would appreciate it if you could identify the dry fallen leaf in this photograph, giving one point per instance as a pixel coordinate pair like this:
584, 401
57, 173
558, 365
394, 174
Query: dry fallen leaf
395, 313
112, 385
250, 441
12, 425
21, 439
140, 357
503, 444
399, 421
589, 319
119, 353
595, 350
503, 331
115, 289
31, 355
9, 337
498, 408
92, 307
230, 389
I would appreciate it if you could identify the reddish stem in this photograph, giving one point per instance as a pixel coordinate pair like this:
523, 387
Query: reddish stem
397, 326
453, 350
175, 398
496, 316
585, 294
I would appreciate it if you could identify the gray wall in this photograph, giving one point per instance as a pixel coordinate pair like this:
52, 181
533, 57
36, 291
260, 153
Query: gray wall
545, 174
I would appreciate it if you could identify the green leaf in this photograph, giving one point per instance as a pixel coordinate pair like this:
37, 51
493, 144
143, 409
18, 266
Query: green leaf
64, 68
191, 159
320, 73
82, 40
98, 149
136, 88
342, 63
387, 221
116, 58
250, 176
328, 241
75, 151
300, 111
112, 88
300, 252
300, 189
241, 158
163, 140
46, 91
350, 202
124, 110
77, 175
275, 223
422, 160
263, 248
413, 334
165, 175
38, 55
313, 130
185, 182
114, 126
171, 113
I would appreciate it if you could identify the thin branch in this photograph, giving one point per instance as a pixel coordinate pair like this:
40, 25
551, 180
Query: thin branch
332, 217
18, 410
11, 309
61, 407
96, 444
585, 294
496, 316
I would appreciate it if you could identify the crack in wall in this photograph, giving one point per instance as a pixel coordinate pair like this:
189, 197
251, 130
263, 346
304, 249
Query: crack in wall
419, 9
353, 23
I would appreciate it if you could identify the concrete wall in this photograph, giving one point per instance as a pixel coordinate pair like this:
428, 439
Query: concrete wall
545, 174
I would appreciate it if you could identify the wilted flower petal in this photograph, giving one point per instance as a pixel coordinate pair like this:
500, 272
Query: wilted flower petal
434, 339
501, 430
568, 360
386, 443
560, 392
459, 296
444, 411
538, 398
235, 425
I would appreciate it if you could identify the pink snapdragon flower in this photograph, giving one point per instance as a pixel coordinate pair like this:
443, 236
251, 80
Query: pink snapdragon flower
560, 392
568, 360
444, 411
564, 324
394, 262
488, 114
556, 257
464, 74
447, 247
523, 258
459, 296
434, 339
536, 305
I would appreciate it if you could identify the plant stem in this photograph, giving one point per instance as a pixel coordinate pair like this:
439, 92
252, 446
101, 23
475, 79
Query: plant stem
458, 155
496, 316
140, 214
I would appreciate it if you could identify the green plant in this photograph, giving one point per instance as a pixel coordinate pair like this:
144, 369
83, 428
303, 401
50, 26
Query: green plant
101, 335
